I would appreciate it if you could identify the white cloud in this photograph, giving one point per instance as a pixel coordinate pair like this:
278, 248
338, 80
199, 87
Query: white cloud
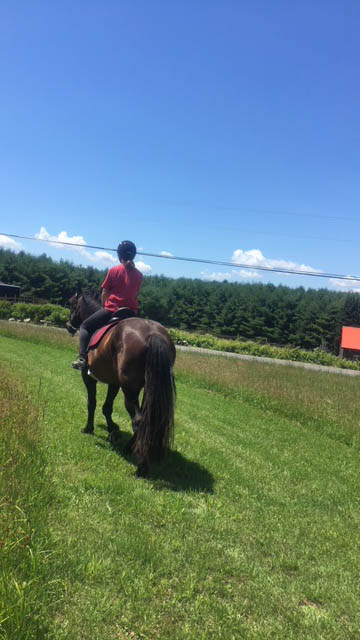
76, 244
144, 268
219, 277
346, 285
9, 243
166, 254
248, 275
232, 276
254, 258
61, 237
103, 256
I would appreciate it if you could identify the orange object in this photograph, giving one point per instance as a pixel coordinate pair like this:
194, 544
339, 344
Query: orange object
350, 338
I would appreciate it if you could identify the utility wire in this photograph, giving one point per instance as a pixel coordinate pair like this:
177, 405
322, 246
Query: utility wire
222, 263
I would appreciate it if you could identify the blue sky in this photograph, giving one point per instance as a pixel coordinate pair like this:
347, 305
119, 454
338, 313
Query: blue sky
224, 130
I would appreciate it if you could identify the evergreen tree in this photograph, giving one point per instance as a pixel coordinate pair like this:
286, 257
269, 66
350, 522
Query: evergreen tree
279, 315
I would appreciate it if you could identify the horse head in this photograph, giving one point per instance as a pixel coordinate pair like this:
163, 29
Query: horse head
75, 319
82, 305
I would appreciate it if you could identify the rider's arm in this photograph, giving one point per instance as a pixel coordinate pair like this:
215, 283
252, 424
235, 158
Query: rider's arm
104, 296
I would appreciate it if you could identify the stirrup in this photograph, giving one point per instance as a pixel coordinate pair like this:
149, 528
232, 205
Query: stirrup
80, 363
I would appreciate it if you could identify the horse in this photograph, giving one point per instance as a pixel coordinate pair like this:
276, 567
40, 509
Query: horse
134, 354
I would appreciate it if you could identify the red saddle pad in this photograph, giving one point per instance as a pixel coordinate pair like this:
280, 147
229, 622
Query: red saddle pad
99, 334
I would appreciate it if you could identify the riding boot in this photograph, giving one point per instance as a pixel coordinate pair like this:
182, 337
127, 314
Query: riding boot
93, 322
81, 361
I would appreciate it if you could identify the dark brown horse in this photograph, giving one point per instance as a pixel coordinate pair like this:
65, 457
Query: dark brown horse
134, 354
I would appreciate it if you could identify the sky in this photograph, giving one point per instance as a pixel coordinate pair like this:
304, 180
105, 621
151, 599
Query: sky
223, 130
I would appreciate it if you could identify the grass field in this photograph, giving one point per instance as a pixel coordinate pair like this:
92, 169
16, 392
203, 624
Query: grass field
250, 530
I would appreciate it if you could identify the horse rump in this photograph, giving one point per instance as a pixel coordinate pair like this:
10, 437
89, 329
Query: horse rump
155, 424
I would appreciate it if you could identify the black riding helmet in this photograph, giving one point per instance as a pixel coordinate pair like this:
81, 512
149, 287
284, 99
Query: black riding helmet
126, 250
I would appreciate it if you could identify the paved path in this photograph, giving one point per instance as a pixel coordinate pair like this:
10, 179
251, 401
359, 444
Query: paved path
291, 363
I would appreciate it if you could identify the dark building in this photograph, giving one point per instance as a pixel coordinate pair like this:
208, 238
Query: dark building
9, 290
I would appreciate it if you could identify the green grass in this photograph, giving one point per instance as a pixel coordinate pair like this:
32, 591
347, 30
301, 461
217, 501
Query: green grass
250, 530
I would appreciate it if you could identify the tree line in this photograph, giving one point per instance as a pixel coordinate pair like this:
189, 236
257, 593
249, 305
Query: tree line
279, 315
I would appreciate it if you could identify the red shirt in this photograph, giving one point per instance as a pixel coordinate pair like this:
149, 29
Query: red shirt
122, 285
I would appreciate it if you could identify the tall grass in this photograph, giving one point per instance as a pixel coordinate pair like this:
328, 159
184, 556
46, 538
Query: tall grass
25, 585
317, 401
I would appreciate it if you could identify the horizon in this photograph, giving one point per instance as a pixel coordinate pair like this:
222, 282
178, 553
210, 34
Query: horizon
101, 269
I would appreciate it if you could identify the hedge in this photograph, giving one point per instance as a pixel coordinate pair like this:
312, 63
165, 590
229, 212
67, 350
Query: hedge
50, 313
208, 341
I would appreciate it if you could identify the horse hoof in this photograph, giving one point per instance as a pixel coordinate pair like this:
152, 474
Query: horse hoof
114, 438
87, 430
112, 426
128, 450
142, 471
129, 447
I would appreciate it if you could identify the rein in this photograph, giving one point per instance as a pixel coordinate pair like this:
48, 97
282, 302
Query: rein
71, 329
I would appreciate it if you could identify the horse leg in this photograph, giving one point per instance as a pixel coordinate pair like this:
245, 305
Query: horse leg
131, 401
90, 385
132, 407
107, 410
129, 447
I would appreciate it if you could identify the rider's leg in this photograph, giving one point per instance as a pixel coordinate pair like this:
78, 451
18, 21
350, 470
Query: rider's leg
93, 322
84, 337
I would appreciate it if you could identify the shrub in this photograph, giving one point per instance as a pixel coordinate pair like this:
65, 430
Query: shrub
52, 313
58, 317
20, 310
5, 309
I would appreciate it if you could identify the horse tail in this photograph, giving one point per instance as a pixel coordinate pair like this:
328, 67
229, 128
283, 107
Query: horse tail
155, 424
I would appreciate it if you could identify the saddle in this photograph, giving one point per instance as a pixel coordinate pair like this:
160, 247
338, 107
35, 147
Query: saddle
121, 314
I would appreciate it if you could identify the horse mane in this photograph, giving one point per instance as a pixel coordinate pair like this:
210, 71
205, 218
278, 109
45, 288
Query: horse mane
92, 299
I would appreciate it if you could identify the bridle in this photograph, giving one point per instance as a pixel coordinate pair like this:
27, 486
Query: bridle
75, 319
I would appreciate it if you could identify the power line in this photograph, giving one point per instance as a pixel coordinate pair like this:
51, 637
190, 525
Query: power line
221, 263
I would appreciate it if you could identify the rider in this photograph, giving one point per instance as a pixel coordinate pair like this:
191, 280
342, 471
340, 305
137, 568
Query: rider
119, 290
